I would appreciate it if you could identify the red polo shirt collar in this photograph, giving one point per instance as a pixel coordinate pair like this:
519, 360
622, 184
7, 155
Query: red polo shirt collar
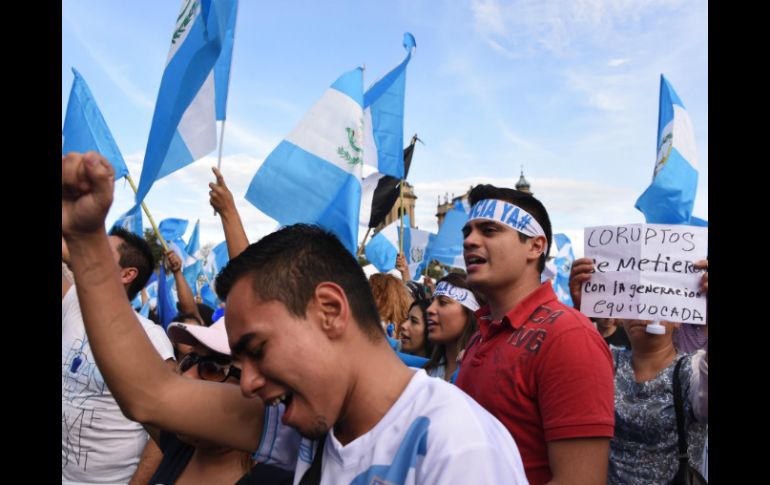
518, 314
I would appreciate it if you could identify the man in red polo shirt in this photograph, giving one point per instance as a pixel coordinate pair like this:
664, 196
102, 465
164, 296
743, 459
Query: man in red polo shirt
537, 365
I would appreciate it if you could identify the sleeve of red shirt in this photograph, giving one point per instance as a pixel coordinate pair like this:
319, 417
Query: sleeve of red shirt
576, 390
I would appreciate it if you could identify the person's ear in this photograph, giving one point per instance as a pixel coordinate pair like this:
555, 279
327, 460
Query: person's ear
536, 247
127, 275
331, 308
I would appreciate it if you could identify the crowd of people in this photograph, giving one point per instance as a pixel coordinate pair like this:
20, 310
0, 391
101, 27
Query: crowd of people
316, 375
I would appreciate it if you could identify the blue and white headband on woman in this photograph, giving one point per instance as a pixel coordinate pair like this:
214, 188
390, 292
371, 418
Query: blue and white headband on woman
460, 295
508, 214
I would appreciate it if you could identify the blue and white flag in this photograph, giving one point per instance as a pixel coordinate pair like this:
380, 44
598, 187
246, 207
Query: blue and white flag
184, 122
222, 67
85, 129
152, 289
670, 197
166, 306
216, 260
131, 221
194, 244
145, 310
172, 229
191, 274
209, 297
136, 303
178, 246
447, 247
416, 242
381, 252
384, 118
221, 255
314, 175
563, 263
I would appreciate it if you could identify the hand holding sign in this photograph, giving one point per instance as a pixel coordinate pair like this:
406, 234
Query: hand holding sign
579, 273
704, 280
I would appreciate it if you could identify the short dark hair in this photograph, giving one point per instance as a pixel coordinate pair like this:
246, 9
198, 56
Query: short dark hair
290, 263
522, 199
206, 313
134, 252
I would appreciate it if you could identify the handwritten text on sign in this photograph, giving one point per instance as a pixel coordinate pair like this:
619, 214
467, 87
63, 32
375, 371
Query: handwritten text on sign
645, 272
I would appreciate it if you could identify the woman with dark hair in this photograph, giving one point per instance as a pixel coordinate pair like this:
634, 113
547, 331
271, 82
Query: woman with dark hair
190, 460
414, 330
646, 445
451, 322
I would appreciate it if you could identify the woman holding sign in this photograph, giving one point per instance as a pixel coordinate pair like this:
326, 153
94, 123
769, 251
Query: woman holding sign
646, 444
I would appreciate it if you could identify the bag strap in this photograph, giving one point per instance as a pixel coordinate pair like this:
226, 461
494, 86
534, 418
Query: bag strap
679, 408
312, 475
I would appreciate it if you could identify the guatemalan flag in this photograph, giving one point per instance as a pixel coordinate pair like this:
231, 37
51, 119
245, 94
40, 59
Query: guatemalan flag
314, 175
384, 118
85, 128
131, 221
416, 243
184, 122
217, 258
670, 197
447, 247
382, 250
563, 263
194, 243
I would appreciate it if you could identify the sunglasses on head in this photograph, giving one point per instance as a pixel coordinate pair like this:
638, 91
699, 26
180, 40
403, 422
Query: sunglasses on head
210, 368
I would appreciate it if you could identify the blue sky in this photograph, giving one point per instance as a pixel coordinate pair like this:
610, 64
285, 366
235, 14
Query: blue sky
568, 89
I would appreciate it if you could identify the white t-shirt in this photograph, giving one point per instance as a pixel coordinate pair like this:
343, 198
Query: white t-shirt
433, 434
98, 443
279, 443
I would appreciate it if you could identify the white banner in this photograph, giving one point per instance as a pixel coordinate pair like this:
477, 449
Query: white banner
645, 272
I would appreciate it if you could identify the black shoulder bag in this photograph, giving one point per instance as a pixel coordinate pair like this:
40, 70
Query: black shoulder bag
686, 475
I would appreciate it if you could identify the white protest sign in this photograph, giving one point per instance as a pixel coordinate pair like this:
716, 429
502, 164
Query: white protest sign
645, 272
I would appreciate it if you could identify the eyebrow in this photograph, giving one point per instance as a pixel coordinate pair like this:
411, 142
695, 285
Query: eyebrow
239, 347
480, 224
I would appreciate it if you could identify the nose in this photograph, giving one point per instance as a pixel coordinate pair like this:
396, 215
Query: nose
252, 380
433, 310
471, 240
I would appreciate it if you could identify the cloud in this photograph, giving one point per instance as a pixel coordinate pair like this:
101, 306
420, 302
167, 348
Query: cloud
617, 62
184, 194
116, 72
487, 16
560, 26
246, 139
571, 204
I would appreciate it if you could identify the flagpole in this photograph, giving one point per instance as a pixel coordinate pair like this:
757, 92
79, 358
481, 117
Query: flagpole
147, 211
401, 216
363, 243
229, 77
221, 145
401, 207
363, 147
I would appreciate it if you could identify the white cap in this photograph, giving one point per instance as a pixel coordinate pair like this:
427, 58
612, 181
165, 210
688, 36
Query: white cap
213, 337
656, 328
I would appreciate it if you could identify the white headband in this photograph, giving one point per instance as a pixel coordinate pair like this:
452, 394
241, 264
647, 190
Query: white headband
508, 214
460, 295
